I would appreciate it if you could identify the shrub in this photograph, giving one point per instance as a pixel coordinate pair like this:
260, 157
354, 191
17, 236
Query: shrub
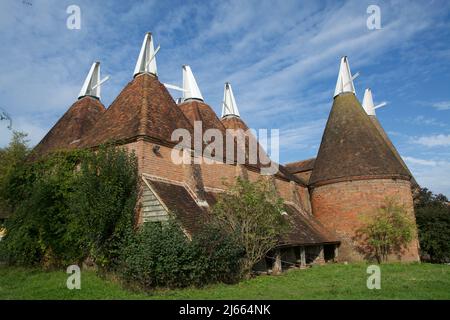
160, 255
252, 212
12, 159
386, 232
103, 203
36, 231
221, 253
65, 211
433, 223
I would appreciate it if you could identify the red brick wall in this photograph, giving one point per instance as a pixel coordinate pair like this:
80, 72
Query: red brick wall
160, 164
213, 175
341, 205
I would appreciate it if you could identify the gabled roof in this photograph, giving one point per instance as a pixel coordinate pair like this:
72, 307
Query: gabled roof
302, 229
180, 203
301, 166
144, 108
71, 127
305, 230
352, 147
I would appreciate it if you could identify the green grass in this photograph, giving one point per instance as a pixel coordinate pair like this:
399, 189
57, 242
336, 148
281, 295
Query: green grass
337, 281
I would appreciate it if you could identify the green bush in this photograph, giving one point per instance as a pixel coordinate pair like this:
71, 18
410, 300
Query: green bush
386, 232
433, 223
70, 206
222, 254
103, 203
37, 229
12, 159
160, 255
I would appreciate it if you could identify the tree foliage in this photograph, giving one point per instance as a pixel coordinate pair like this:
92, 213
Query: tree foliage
386, 232
252, 211
69, 206
160, 255
433, 222
104, 200
12, 157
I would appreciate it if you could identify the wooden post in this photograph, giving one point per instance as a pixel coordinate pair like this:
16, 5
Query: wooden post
302, 257
321, 258
276, 267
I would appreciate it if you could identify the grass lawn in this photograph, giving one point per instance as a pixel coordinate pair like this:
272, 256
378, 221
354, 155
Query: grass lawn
335, 281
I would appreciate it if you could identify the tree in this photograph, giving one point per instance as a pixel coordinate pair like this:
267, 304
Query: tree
433, 223
426, 198
70, 205
387, 232
252, 211
11, 158
39, 194
104, 201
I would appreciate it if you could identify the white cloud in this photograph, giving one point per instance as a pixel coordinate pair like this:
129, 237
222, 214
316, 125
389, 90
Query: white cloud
303, 137
422, 162
433, 174
422, 120
281, 57
439, 140
33, 128
443, 105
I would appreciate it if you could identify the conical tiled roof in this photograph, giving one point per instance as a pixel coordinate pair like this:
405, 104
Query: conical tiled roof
196, 110
73, 125
391, 146
144, 108
352, 147
234, 122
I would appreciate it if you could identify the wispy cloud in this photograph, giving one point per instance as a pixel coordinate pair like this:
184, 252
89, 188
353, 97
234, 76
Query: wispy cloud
431, 173
423, 120
282, 58
443, 105
302, 137
439, 140
422, 162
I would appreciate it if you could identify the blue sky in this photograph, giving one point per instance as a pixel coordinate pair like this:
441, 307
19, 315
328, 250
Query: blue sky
282, 58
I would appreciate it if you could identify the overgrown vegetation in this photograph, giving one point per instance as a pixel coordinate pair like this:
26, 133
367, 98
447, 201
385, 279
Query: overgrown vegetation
160, 255
104, 200
245, 224
11, 158
68, 207
78, 207
433, 223
252, 211
389, 231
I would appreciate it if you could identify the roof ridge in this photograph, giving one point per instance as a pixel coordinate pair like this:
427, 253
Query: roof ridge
144, 108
